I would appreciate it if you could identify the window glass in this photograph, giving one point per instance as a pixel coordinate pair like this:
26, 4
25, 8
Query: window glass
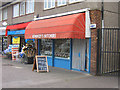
62, 48
46, 47
16, 10
5, 14
53, 3
72, 1
61, 2
49, 4
29, 6
45, 3
22, 8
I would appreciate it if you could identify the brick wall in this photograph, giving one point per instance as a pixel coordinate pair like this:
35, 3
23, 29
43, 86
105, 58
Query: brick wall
95, 16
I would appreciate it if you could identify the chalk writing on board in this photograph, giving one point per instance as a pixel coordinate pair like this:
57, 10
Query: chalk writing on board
42, 64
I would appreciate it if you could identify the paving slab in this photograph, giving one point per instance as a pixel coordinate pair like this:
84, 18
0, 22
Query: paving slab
18, 75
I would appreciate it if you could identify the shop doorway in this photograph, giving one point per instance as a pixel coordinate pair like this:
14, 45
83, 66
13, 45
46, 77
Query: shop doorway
80, 60
4, 43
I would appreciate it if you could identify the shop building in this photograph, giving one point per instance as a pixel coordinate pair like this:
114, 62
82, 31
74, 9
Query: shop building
3, 39
64, 39
80, 52
16, 33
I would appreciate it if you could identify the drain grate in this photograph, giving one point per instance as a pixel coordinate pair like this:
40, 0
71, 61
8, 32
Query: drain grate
7, 65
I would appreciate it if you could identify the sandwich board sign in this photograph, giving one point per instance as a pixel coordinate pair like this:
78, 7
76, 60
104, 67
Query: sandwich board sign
40, 63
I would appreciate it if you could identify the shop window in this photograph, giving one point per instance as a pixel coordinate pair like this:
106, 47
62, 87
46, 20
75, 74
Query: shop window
62, 48
49, 4
29, 6
61, 2
22, 8
16, 10
73, 1
30, 42
4, 43
5, 14
46, 47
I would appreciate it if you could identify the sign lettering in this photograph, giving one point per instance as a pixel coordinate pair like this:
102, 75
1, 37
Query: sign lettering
44, 36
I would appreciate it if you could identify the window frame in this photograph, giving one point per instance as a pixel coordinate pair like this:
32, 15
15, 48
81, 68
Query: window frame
29, 1
70, 2
61, 3
51, 4
16, 9
3, 12
23, 8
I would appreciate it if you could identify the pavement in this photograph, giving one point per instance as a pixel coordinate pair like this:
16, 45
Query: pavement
18, 75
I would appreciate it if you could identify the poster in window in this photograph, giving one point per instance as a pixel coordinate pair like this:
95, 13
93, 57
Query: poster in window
16, 40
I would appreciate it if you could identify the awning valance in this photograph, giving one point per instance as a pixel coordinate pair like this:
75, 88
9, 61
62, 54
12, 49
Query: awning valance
16, 27
70, 26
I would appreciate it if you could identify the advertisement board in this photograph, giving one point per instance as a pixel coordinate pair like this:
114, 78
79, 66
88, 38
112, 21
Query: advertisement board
16, 40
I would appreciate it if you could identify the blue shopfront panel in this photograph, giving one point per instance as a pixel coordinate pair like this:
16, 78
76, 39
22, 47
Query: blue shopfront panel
59, 62
17, 32
62, 63
49, 59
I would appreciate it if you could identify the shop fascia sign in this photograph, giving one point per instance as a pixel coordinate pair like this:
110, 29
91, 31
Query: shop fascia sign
16, 32
44, 36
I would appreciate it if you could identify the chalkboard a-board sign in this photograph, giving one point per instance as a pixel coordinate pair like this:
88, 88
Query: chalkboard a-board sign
40, 63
